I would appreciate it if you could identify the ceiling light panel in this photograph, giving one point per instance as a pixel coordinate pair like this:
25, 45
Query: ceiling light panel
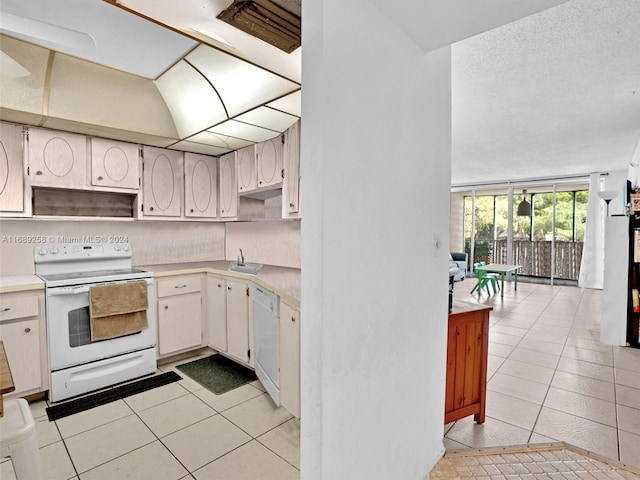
199, 148
245, 131
241, 85
268, 118
291, 103
192, 102
218, 140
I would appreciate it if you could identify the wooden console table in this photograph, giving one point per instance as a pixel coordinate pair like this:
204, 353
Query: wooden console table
467, 349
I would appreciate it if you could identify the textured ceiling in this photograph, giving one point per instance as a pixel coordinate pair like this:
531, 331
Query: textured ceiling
556, 93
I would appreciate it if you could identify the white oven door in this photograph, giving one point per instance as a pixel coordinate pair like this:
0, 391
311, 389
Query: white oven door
69, 331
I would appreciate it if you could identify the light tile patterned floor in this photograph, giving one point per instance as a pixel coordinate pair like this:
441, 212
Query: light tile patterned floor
550, 380
530, 463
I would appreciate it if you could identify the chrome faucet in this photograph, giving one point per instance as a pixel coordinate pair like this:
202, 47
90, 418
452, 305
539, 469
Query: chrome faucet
241, 259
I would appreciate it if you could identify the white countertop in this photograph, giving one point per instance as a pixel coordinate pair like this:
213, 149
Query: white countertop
18, 283
283, 281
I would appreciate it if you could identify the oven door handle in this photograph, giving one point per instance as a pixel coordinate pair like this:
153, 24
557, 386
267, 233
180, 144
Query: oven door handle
54, 292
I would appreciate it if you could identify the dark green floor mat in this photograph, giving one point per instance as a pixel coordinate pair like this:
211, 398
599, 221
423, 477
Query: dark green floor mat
217, 373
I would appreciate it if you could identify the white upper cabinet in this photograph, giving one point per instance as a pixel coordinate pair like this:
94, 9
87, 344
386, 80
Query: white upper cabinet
162, 182
57, 159
200, 186
11, 169
228, 186
247, 175
114, 164
269, 162
291, 186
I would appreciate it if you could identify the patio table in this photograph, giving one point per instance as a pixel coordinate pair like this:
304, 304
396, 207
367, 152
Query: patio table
502, 269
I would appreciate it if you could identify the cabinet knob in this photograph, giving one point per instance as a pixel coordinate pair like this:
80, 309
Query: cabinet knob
100, 177
27, 330
260, 182
6, 309
228, 288
166, 307
191, 210
151, 209
293, 319
291, 205
219, 285
39, 172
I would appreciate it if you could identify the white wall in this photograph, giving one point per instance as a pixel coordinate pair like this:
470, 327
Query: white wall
376, 162
152, 243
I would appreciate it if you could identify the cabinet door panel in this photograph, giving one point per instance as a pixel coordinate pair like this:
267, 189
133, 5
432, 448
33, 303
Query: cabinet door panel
201, 188
292, 170
179, 323
11, 177
217, 312
228, 186
114, 164
162, 180
290, 358
247, 176
238, 320
57, 158
22, 344
269, 155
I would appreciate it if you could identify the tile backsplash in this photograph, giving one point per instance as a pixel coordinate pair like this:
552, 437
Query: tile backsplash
153, 243
269, 243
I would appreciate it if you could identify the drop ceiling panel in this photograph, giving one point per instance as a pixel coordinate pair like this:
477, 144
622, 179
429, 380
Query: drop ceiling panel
199, 148
192, 101
241, 85
268, 118
291, 103
244, 131
85, 28
217, 140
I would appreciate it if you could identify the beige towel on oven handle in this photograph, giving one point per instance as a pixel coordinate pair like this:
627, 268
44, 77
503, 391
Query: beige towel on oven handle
117, 309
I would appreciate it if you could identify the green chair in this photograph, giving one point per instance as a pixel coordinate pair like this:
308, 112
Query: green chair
483, 279
493, 277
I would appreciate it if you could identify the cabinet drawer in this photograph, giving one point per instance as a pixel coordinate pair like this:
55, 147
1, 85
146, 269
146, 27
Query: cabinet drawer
21, 307
179, 285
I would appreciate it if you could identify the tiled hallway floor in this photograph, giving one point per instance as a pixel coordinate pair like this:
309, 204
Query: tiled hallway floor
549, 380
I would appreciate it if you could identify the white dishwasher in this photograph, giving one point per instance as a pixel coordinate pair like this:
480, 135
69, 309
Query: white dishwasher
266, 337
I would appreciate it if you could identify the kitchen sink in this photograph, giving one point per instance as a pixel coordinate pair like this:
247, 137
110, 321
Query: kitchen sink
250, 268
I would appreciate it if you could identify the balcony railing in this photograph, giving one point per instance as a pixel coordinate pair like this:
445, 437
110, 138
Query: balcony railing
534, 256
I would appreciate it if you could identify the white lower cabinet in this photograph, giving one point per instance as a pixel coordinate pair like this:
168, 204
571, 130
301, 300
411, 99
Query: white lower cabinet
180, 311
290, 358
23, 334
238, 302
228, 317
217, 312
